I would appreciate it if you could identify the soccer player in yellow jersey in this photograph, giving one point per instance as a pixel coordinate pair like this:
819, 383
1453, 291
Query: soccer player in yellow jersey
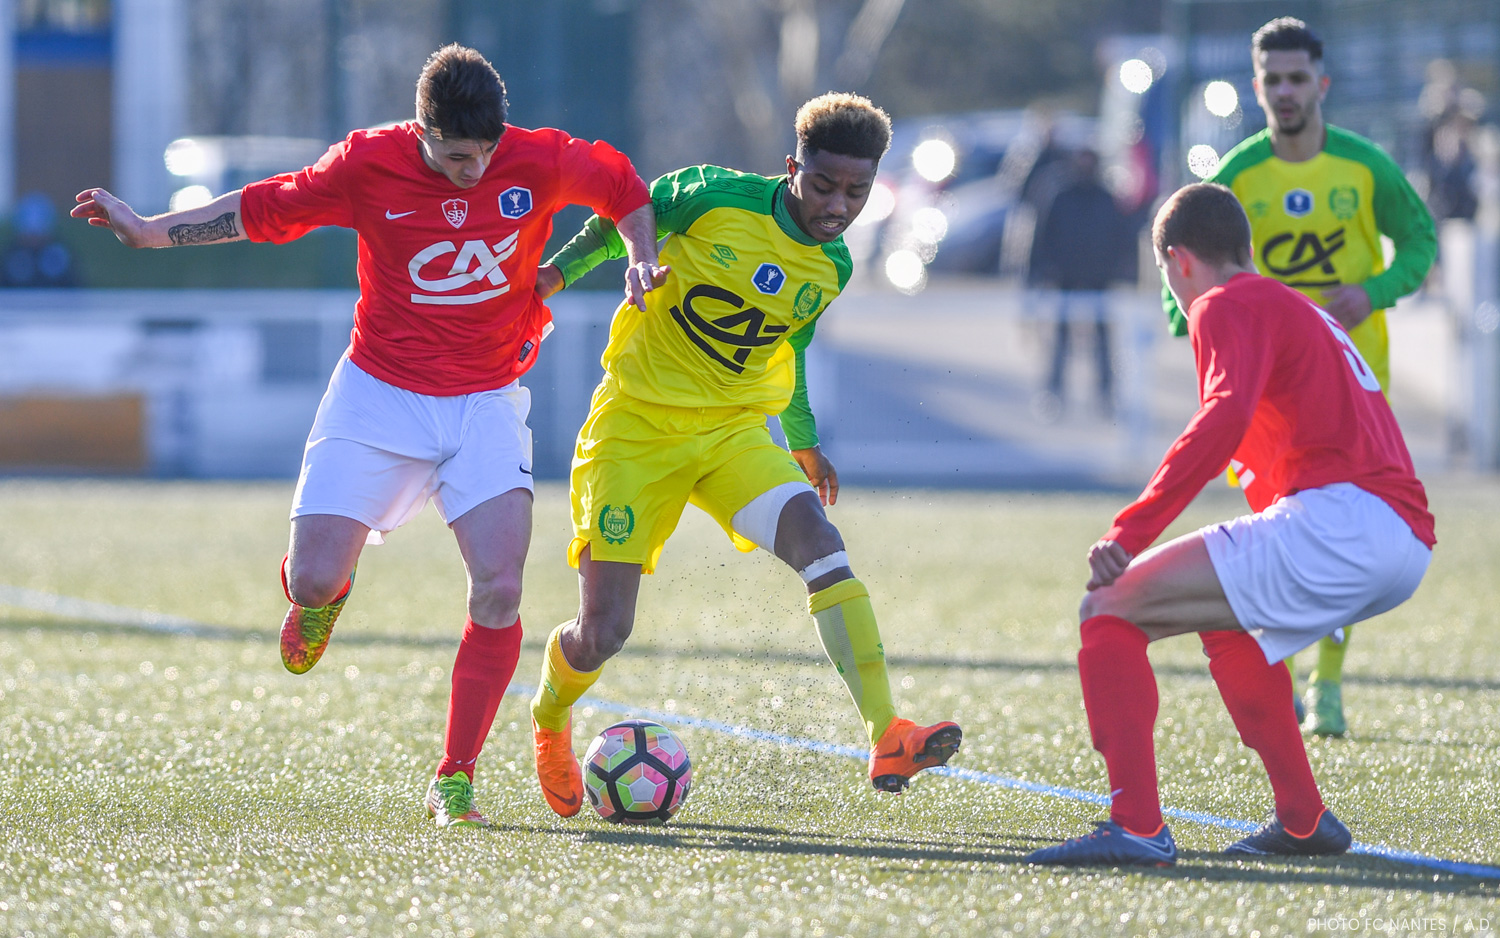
1319, 198
681, 413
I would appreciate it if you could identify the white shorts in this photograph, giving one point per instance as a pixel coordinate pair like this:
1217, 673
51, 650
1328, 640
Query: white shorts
1313, 563
377, 452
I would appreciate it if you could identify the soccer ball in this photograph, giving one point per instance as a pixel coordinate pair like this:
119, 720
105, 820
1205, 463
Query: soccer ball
637, 772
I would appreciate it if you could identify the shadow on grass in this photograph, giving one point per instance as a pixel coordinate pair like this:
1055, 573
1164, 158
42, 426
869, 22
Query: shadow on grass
926, 856
355, 637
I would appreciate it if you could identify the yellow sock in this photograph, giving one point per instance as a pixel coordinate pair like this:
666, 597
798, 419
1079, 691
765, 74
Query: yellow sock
1330, 665
560, 687
846, 626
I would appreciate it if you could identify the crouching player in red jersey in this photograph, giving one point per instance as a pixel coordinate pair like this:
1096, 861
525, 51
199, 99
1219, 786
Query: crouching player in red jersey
1340, 533
453, 211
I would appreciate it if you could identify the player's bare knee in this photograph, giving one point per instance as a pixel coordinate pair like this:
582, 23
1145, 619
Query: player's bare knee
1102, 602
602, 633
312, 588
495, 599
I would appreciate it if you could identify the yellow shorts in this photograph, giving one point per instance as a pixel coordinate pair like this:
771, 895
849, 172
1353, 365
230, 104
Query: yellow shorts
637, 464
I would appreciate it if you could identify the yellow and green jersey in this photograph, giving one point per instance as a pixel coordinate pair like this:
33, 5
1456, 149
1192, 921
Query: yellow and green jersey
732, 323
1317, 224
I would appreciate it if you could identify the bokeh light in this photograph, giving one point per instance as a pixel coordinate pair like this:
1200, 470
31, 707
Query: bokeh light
1202, 160
929, 225
879, 206
934, 160
906, 272
1220, 98
190, 197
1136, 76
185, 157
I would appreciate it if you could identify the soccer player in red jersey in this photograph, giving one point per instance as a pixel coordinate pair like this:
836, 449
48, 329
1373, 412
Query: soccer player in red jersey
1340, 533
453, 211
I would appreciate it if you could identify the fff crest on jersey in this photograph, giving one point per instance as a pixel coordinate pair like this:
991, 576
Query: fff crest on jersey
768, 279
515, 202
1297, 203
456, 210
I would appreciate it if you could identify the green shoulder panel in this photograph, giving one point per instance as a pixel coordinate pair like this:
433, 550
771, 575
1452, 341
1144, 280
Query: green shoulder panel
1251, 151
838, 252
682, 197
678, 199
1399, 215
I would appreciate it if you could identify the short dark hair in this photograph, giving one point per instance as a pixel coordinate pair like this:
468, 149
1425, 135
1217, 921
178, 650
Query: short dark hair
1286, 34
1208, 220
842, 123
460, 95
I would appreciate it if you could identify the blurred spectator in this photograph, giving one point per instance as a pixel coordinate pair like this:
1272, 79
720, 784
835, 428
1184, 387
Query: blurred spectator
1082, 245
35, 258
1452, 112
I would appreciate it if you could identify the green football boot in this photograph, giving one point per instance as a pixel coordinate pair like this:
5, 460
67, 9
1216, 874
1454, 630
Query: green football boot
1325, 709
450, 802
305, 632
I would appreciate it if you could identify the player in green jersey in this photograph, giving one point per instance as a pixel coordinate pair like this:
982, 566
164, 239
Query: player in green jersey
681, 416
1319, 198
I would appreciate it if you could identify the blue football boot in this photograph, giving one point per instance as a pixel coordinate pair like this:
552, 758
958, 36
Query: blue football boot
1111, 845
1328, 838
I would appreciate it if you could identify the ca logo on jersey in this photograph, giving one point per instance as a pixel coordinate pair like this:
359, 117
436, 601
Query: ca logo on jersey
768, 279
475, 262
704, 332
456, 210
1292, 257
515, 202
1297, 203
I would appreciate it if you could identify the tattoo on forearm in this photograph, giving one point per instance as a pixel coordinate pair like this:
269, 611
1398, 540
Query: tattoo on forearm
220, 229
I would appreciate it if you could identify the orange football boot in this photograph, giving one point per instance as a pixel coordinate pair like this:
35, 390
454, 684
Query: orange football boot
557, 769
905, 749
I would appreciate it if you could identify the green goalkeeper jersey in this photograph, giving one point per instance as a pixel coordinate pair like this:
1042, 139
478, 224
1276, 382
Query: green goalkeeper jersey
731, 326
1317, 224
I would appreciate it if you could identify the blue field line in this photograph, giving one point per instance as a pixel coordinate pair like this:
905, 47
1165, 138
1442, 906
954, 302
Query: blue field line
1003, 781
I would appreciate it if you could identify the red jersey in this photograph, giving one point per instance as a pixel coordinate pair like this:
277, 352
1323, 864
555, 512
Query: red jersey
446, 275
1285, 394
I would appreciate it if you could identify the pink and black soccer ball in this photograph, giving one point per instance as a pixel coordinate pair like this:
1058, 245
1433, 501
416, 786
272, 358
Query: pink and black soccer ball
637, 772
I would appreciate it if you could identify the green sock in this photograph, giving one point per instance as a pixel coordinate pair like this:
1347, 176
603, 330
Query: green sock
846, 626
1331, 658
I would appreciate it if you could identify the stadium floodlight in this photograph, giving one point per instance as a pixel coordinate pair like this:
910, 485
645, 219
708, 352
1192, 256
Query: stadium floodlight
1202, 160
1136, 75
185, 157
934, 160
878, 207
929, 225
906, 272
190, 197
1220, 98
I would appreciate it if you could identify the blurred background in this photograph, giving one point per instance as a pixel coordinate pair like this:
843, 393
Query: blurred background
954, 359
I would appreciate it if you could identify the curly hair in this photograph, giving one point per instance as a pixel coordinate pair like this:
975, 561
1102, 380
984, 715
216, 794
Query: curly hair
460, 95
847, 124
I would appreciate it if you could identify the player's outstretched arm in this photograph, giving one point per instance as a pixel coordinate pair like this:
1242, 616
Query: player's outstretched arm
638, 231
820, 473
217, 222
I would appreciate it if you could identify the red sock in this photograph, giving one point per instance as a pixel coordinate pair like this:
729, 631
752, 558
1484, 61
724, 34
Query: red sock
481, 672
1119, 691
1259, 698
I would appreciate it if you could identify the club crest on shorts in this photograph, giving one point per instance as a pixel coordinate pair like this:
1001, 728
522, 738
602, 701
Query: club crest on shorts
616, 523
768, 279
515, 202
456, 210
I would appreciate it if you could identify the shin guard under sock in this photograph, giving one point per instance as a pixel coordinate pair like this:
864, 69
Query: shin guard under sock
482, 670
851, 639
1119, 692
1259, 699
